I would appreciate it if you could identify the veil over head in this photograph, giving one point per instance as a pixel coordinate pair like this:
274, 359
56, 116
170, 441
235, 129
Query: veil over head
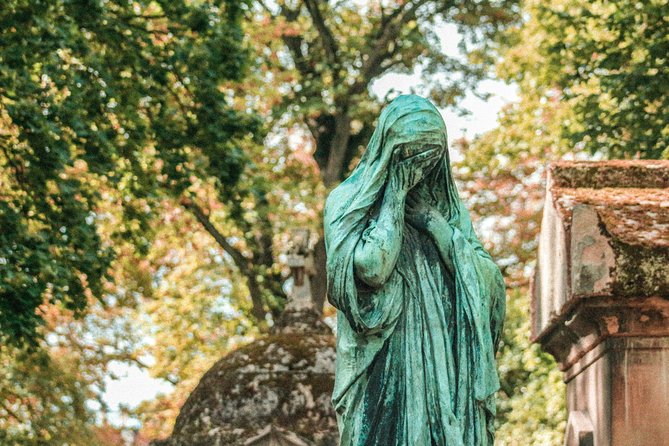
366, 319
407, 119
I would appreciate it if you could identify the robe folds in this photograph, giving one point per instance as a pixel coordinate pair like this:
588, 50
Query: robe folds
415, 357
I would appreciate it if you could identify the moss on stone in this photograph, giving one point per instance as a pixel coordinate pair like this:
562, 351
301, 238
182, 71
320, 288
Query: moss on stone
613, 173
635, 216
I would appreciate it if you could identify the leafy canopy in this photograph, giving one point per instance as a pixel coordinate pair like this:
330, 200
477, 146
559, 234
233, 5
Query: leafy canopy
105, 92
606, 63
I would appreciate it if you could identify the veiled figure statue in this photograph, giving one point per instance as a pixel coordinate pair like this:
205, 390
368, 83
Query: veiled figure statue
420, 302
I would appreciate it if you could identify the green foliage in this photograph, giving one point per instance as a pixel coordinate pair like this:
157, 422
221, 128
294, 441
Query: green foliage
531, 402
112, 112
606, 61
59, 416
53, 395
104, 93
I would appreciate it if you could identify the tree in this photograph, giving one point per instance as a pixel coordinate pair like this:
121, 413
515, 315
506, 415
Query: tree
54, 394
94, 94
41, 401
195, 311
605, 63
336, 50
314, 64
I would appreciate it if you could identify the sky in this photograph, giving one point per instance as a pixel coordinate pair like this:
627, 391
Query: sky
135, 385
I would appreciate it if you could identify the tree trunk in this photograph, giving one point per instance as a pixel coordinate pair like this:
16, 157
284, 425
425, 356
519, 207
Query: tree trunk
331, 173
334, 168
319, 280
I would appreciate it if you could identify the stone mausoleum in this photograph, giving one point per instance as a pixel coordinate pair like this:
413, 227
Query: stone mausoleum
601, 298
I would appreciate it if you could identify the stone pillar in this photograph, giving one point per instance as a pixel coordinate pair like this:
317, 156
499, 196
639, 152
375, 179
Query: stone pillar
600, 298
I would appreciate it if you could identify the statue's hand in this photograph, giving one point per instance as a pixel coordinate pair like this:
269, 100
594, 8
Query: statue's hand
427, 218
407, 173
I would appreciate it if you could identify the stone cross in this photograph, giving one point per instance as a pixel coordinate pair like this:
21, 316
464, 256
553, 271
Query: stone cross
300, 315
301, 262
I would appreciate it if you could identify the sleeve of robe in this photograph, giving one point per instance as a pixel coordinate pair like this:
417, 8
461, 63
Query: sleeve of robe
365, 317
479, 288
492, 288
367, 310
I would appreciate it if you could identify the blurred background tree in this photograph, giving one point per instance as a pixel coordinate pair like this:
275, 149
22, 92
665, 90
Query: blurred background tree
106, 109
156, 154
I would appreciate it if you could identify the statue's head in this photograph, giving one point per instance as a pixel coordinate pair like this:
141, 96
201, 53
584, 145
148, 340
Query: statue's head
409, 128
414, 130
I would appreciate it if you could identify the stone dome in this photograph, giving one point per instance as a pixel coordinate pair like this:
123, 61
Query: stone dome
275, 390
281, 383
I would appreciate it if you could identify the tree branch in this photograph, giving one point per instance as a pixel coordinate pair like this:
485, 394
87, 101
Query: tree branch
10, 411
294, 44
266, 8
329, 42
379, 51
243, 264
335, 163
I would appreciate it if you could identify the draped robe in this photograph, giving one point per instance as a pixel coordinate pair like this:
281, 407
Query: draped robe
415, 357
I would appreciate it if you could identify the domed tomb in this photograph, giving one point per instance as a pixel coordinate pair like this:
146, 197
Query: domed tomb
273, 391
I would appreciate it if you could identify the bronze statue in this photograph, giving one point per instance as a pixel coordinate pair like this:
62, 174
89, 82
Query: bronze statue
420, 302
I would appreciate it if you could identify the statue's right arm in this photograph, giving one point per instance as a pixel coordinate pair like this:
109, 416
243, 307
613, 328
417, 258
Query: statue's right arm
376, 253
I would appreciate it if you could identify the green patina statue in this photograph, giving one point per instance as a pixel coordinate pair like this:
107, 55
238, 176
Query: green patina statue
420, 302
